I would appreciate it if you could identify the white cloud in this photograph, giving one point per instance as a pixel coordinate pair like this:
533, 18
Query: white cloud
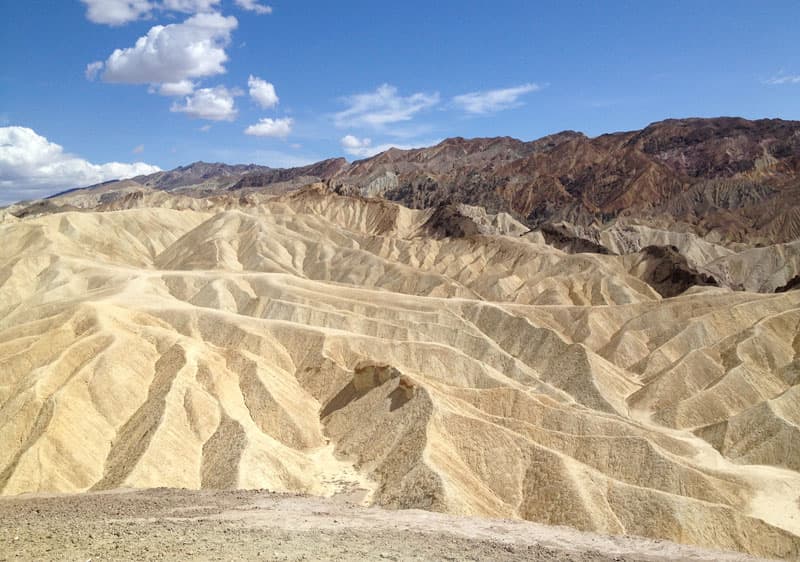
354, 145
271, 128
363, 148
782, 78
214, 104
117, 12
382, 107
190, 6
180, 88
491, 101
205, 128
33, 167
254, 6
262, 92
172, 53
138, 149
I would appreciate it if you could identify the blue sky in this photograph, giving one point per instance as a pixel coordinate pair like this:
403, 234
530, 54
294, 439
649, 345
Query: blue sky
350, 78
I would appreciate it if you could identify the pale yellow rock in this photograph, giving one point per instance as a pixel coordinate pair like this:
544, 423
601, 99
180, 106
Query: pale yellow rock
321, 344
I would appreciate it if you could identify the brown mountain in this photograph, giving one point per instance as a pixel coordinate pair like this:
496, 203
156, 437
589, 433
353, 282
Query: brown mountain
292, 177
737, 178
210, 175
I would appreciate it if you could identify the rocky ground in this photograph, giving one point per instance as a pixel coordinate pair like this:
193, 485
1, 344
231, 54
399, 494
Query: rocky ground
168, 524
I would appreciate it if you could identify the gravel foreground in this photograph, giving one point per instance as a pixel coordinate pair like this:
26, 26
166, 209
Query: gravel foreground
167, 524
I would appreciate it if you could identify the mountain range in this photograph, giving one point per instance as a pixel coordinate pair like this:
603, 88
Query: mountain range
729, 179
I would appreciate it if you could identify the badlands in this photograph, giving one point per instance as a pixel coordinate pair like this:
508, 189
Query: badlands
444, 359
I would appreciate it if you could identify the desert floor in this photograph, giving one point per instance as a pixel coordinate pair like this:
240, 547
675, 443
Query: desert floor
169, 524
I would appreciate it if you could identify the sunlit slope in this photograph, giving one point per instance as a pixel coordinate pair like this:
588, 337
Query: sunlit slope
314, 342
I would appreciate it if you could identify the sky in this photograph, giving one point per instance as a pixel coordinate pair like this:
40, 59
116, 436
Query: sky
92, 90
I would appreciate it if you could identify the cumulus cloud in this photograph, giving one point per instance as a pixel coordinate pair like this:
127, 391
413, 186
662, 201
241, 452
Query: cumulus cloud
363, 147
382, 107
172, 53
354, 145
214, 104
32, 167
262, 92
254, 6
271, 128
491, 101
117, 12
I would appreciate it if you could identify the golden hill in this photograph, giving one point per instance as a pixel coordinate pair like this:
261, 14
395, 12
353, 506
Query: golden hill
310, 342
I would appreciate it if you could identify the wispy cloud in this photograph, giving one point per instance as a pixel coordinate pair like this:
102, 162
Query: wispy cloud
92, 69
120, 12
383, 107
492, 101
411, 131
279, 159
782, 78
180, 88
190, 6
254, 6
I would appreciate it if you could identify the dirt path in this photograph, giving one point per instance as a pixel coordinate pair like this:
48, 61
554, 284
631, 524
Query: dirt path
167, 524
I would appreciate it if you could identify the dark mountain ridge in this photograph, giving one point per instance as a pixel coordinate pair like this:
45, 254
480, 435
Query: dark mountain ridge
198, 173
737, 177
